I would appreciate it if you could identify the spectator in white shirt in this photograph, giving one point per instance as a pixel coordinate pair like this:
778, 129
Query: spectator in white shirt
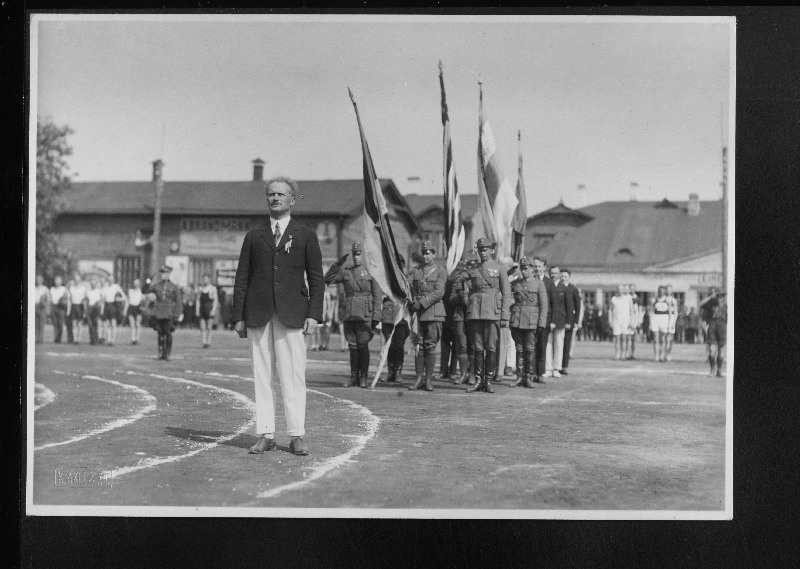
77, 311
94, 308
60, 303
134, 311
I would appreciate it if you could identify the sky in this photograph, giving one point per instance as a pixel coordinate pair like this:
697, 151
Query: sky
600, 103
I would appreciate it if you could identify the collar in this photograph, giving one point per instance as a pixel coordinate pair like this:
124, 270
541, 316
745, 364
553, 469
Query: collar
282, 223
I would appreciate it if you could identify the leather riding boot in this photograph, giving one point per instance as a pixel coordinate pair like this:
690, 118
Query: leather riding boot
477, 370
463, 364
160, 346
391, 374
520, 370
530, 368
489, 366
399, 372
363, 365
353, 369
430, 362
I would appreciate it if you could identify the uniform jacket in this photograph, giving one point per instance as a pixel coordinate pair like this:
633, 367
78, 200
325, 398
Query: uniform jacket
169, 300
489, 292
427, 288
389, 310
362, 294
573, 305
457, 294
270, 278
529, 310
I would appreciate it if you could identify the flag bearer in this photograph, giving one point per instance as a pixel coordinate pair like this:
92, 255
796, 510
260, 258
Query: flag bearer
488, 309
528, 313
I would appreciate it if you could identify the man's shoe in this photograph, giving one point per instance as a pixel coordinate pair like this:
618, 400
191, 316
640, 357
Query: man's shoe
537, 379
548, 374
262, 445
564, 371
556, 373
298, 446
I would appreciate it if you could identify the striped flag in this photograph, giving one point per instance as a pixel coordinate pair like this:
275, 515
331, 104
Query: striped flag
521, 213
453, 223
380, 249
498, 201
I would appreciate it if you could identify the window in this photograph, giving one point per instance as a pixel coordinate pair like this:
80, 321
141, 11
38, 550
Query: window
624, 252
541, 239
127, 268
198, 268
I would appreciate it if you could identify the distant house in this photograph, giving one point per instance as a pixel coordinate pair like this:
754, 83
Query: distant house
429, 211
105, 225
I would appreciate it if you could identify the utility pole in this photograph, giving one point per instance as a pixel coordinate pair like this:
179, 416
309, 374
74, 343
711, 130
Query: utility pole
725, 218
158, 167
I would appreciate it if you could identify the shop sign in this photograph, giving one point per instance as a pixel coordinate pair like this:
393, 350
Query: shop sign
210, 237
709, 279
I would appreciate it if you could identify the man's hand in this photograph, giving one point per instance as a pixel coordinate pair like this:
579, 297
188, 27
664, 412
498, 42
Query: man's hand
309, 326
568, 326
375, 324
241, 328
180, 318
504, 324
416, 306
552, 326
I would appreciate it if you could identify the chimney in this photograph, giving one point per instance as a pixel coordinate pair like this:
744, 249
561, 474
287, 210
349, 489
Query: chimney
634, 189
157, 164
258, 170
694, 205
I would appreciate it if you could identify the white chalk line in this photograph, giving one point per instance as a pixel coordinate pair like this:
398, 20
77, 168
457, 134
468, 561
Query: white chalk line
152, 462
369, 421
43, 396
148, 397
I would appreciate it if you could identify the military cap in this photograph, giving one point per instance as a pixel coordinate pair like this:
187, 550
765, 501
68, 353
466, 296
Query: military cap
484, 243
526, 262
166, 269
427, 246
357, 248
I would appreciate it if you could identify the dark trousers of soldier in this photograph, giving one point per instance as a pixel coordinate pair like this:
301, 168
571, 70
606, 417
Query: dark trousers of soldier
425, 361
483, 335
94, 324
448, 359
567, 348
358, 334
59, 321
164, 327
525, 344
459, 352
541, 351
397, 350
716, 338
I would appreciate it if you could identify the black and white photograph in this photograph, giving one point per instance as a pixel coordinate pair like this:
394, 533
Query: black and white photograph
381, 266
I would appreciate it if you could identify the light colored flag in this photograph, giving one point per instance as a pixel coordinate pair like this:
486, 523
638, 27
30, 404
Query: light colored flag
498, 200
521, 213
381, 257
454, 233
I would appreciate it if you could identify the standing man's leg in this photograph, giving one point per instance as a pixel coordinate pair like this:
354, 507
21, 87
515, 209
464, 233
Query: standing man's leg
541, 350
558, 350
363, 337
549, 355
460, 347
491, 334
58, 324
264, 369
475, 331
350, 333
568, 334
518, 336
432, 333
290, 364
444, 359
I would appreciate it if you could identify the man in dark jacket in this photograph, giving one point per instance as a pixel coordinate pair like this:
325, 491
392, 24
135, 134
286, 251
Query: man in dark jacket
274, 308
573, 316
543, 334
167, 311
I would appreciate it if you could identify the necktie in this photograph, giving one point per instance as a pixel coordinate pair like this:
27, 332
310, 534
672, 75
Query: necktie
277, 234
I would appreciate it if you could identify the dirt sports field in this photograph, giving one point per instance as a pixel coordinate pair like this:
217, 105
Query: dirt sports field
612, 435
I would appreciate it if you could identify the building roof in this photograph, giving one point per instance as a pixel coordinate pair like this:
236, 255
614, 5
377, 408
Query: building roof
317, 197
561, 212
633, 235
421, 204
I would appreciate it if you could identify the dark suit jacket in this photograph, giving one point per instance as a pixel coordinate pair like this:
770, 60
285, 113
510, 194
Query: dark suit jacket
549, 287
270, 280
573, 305
558, 311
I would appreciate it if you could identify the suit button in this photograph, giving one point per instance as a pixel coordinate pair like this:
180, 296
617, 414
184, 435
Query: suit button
276, 267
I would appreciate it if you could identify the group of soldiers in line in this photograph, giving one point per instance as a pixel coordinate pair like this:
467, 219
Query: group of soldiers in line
469, 307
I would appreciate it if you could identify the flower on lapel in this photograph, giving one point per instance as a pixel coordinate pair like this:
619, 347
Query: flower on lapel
288, 245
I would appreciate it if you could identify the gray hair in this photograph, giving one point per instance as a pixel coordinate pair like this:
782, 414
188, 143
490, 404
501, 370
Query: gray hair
286, 180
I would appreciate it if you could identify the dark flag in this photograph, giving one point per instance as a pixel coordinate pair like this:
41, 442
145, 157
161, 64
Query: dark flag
453, 224
521, 213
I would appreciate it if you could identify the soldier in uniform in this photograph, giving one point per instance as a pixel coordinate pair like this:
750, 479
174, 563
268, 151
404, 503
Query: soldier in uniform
528, 314
458, 300
362, 311
427, 291
396, 353
167, 310
714, 312
488, 310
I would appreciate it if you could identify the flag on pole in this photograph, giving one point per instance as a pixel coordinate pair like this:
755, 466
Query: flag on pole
498, 201
453, 223
381, 257
521, 213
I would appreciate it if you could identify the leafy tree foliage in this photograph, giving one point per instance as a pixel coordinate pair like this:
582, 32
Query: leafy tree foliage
52, 184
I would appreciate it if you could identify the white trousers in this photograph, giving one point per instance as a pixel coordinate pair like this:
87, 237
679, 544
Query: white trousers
555, 349
279, 351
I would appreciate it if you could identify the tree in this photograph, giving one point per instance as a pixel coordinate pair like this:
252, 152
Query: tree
52, 184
